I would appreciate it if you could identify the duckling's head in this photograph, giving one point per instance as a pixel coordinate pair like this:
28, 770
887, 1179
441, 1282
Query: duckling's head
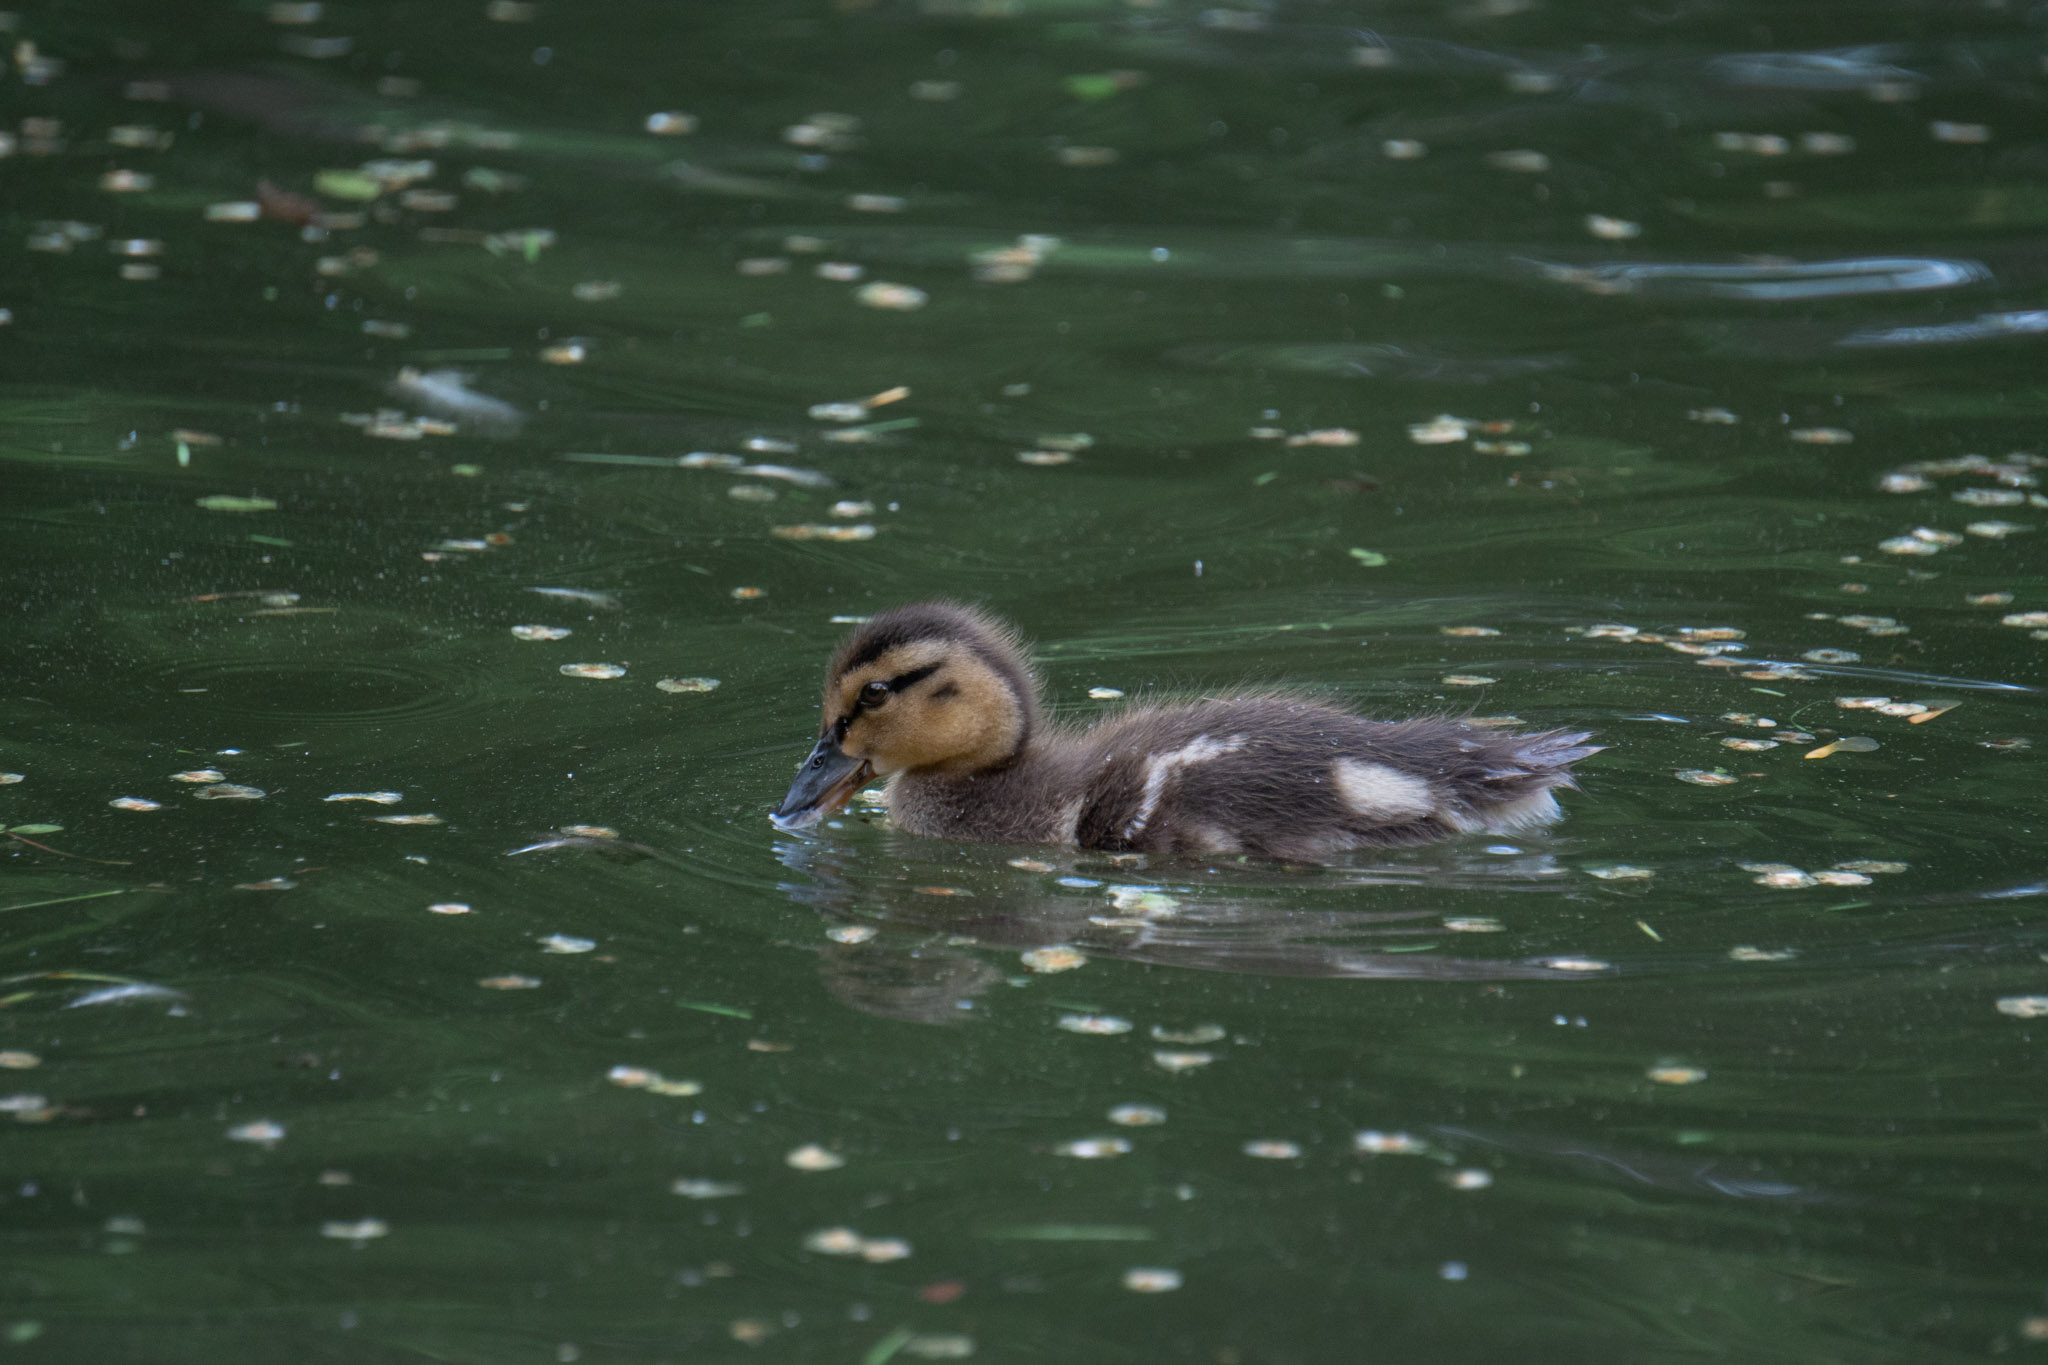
930, 688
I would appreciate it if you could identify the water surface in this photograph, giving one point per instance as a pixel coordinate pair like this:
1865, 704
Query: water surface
1673, 374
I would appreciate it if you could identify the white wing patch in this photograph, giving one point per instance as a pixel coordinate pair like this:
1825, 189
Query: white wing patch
1161, 768
1378, 792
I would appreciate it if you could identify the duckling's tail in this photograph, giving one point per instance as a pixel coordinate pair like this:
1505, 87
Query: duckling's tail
1547, 755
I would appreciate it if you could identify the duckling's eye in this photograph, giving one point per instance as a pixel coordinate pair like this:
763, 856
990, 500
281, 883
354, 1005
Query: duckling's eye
874, 694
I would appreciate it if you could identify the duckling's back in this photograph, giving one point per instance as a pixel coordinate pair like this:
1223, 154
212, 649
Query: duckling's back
1289, 778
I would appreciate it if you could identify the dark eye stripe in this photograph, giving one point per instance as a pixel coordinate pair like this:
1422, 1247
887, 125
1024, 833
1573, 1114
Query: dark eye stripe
913, 677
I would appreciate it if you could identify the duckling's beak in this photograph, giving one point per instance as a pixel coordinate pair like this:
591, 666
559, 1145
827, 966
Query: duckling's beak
828, 779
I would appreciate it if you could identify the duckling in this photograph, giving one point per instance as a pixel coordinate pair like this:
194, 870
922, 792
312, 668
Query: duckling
941, 700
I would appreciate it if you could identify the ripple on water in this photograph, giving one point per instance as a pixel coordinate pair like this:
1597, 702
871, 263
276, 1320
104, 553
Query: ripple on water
325, 692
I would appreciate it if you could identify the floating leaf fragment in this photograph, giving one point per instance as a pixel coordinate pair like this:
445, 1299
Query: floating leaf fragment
1272, 1149
1098, 1024
229, 791
812, 1157
564, 943
263, 1132
1199, 1033
1137, 1115
1371, 559
1674, 1074
1851, 744
360, 1231
1148, 1279
1372, 1142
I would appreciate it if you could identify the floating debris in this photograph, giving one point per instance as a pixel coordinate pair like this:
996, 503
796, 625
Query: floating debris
1182, 1061
12, 1059
593, 670
1137, 1115
1672, 1074
1706, 777
834, 1242
1621, 872
901, 298
671, 123
690, 1188
812, 1157
1105, 693
1852, 744
263, 1132
448, 908
1469, 1178
1200, 1033
1099, 1024
1372, 1142
1044, 458
603, 601
1875, 867
1058, 958
227, 502
851, 933
1831, 656
229, 791
509, 982
1468, 680
653, 1082
1820, 436
1612, 229
564, 943
2024, 1006
1521, 160
1473, 924
135, 803
1151, 1279
837, 534
1272, 1149
1093, 1148
1749, 746
421, 819
1574, 964
541, 632
358, 1232
1440, 431
1746, 953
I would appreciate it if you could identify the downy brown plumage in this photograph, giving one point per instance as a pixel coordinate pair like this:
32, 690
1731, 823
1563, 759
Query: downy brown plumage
941, 700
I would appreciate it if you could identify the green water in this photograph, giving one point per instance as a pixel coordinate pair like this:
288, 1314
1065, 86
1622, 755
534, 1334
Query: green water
1740, 1061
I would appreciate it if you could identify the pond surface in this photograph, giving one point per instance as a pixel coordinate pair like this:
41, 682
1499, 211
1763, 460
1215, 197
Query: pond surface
385, 979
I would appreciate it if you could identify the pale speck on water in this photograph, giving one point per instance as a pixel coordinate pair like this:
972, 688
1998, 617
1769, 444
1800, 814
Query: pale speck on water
812, 1157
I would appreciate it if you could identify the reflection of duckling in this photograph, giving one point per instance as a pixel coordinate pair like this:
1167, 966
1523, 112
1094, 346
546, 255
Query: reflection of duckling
941, 700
